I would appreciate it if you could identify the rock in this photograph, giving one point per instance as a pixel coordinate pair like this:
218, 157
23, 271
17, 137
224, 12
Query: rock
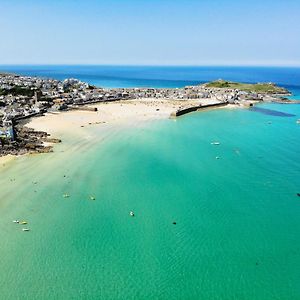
30, 146
47, 149
51, 140
27, 141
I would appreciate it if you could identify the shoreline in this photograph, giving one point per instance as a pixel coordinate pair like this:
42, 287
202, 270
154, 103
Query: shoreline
109, 117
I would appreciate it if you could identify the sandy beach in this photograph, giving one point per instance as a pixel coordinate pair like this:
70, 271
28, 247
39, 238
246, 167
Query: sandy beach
112, 114
110, 117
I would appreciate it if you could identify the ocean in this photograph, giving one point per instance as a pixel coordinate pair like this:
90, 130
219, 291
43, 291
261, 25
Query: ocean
161, 77
237, 217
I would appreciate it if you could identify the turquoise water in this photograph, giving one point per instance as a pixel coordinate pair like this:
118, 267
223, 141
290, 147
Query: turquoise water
237, 217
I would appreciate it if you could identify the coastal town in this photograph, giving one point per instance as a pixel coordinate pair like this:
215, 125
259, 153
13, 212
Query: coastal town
24, 97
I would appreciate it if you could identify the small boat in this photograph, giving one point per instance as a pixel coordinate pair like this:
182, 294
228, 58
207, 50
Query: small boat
66, 195
92, 198
25, 229
298, 121
217, 157
215, 143
16, 221
23, 223
131, 213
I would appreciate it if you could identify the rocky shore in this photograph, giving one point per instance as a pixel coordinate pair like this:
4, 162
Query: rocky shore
27, 140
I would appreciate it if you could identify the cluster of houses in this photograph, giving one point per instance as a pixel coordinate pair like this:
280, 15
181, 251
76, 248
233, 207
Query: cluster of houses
194, 92
24, 96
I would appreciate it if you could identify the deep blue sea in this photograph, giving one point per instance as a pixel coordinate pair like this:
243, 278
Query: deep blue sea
162, 76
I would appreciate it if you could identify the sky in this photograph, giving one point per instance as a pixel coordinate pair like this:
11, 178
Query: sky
152, 32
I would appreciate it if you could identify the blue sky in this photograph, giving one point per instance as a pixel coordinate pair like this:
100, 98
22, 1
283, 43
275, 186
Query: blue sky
153, 32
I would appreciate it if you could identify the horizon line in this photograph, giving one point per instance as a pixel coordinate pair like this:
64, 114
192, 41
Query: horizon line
155, 65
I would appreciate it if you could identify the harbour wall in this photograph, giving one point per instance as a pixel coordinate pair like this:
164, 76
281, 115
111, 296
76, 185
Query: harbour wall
190, 109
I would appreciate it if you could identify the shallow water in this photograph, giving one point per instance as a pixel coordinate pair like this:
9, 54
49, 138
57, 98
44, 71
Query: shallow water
237, 217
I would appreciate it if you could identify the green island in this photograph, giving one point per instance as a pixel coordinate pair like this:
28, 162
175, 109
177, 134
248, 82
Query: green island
264, 88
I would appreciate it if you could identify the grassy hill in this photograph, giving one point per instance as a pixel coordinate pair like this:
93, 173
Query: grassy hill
263, 88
